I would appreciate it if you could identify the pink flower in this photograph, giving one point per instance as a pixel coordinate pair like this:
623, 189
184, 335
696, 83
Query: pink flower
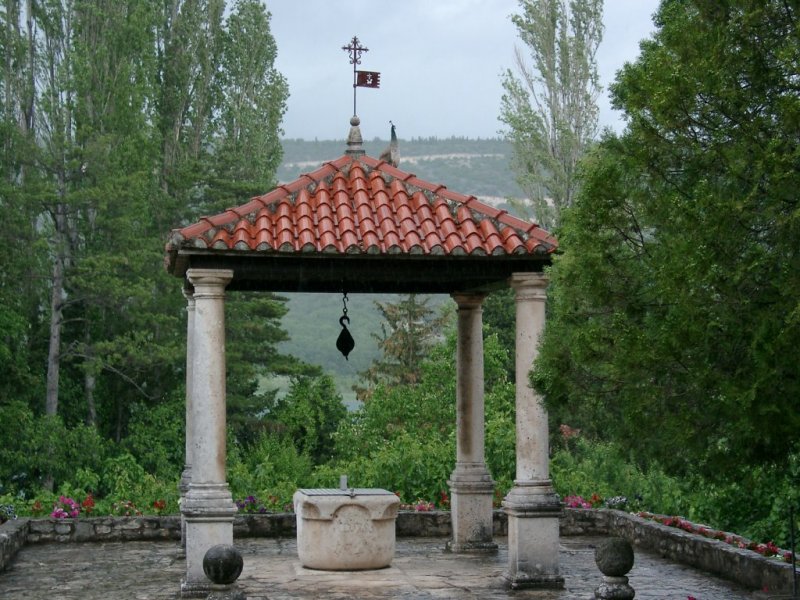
576, 502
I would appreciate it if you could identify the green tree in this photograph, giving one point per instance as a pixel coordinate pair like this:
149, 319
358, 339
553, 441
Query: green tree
253, 100
408, 333
674, 306
189, 42
309, 415
253, 332
116, 126
551, 108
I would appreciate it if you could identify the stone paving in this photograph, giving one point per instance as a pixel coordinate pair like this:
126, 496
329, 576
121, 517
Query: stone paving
420, 570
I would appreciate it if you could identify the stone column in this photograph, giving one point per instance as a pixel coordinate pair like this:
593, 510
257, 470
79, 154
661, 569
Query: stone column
186, 476
208, 508
532, 506
471, 485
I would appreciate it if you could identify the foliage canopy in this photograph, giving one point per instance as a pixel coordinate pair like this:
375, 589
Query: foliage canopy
675, 300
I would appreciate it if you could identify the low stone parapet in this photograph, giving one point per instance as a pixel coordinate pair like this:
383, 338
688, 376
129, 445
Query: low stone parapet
13, 536
745, 567
266, 525
104, 529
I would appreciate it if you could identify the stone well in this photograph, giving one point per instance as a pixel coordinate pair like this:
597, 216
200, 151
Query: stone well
345, 530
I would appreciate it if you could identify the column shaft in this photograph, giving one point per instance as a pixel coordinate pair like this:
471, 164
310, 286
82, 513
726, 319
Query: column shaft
186, 476
208, 508
532, 506
532, 426
471, 485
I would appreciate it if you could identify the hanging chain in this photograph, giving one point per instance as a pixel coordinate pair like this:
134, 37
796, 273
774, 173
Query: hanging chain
344, 304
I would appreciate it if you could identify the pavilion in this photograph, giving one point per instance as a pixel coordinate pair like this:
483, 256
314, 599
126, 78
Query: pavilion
359, 225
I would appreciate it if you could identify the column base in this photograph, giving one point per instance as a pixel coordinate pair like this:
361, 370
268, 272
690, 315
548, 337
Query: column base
226, 592
183, 488
533, 511
541, 582
471, 495
196, 589
471, 547
208, 511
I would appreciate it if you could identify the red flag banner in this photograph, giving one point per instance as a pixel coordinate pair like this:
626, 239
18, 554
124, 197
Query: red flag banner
370, 79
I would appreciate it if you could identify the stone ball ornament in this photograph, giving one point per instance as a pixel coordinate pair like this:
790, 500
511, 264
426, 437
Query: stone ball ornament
614, 557
223, 564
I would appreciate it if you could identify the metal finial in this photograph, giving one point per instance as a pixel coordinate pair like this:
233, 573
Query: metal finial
354, 50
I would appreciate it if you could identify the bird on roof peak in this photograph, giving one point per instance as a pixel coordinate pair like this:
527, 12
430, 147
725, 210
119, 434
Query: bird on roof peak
391, 155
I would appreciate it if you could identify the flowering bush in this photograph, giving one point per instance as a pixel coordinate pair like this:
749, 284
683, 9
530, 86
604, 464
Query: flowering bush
251, 505
617, 502
159, 506
7, 513
576, 502
88, 504
419, 506
65, 508
125, 508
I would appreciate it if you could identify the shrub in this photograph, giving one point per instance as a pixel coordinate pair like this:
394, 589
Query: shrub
271, 466
584, 468
156, 437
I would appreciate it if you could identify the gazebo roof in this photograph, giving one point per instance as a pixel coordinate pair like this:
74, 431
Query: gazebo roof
358, 224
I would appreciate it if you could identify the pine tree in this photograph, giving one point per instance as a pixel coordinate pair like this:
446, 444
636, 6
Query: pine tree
410, 330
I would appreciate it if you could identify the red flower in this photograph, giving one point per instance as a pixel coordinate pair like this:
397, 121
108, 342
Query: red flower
88, 503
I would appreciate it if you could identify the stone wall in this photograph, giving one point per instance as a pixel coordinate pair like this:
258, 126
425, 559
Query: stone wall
712, 556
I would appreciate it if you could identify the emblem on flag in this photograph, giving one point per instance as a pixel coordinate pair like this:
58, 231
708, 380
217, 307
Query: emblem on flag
370, 79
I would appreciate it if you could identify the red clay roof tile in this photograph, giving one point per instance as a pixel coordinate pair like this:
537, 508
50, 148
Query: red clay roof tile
358, 204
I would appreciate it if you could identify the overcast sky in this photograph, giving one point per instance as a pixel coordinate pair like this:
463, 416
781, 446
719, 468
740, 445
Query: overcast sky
440, 63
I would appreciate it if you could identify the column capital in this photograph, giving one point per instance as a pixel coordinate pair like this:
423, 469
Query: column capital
468, 300
529, 286
209, 283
